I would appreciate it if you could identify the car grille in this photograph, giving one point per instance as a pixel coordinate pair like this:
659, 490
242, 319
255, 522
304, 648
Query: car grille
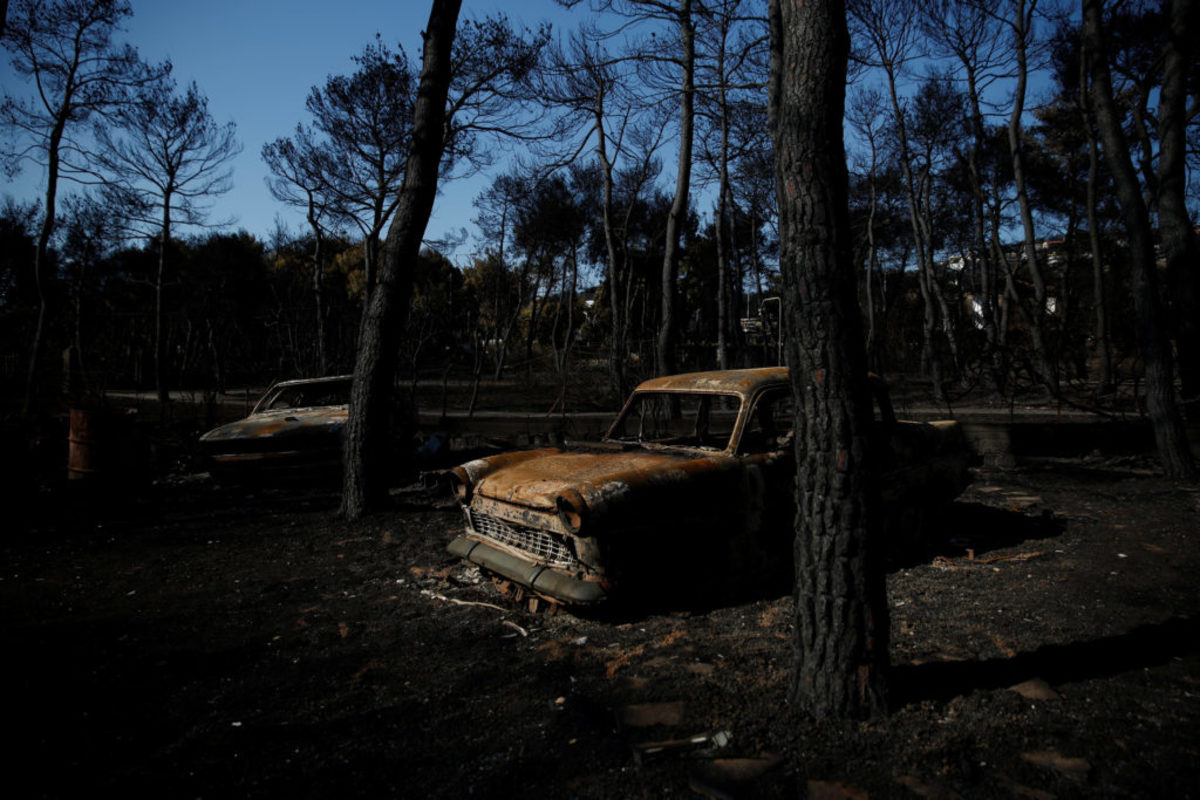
539, 545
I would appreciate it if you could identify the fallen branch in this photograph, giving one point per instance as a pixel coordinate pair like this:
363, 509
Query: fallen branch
1013, 557
514, 626
458, 602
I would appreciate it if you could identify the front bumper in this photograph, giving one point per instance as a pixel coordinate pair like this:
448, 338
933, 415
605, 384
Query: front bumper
537, 577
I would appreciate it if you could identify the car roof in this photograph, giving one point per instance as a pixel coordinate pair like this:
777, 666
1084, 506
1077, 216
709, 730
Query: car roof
741, 382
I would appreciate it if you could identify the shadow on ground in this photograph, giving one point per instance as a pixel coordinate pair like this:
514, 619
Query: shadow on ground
1141, 648
963, 527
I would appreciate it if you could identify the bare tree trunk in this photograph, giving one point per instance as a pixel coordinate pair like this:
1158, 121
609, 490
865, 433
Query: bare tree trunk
1178, 234
554, 324
1099, 298
737, 291
930, 361
510, 323
214, 353
619, 344
841, 648
1169, 432
160, 337
632, 287
668, 334
724, 234
872, 345
934, 288
77, 337
1001, 263
368, 429
370, 259
318, 259
476, 372
722, 273
872, 255
569, 339
536, 307
993, 369
41, 266
1037, 317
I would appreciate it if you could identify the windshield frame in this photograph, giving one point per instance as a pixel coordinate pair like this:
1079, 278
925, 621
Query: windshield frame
702, 415
318, 385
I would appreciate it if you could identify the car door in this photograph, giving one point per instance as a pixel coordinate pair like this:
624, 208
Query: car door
769, 473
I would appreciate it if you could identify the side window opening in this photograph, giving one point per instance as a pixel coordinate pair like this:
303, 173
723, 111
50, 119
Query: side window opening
769, 427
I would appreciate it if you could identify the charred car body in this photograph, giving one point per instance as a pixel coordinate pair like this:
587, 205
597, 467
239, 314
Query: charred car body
693, 482
294, 430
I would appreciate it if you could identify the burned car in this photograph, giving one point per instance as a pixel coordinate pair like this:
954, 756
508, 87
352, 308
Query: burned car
691, 485
294, 430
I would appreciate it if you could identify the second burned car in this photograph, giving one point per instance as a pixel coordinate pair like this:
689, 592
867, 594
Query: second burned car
295, 429
691, 486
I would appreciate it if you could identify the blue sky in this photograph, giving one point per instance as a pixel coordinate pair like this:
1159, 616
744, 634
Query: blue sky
256, 61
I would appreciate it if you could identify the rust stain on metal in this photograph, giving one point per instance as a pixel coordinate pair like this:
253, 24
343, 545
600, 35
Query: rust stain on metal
296, 424
735, 381
573, 523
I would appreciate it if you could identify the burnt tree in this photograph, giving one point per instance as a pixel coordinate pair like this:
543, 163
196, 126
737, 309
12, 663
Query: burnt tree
1169, 432
668, 334
67, 48
1179, 241
161, 166
841, 646
367, 439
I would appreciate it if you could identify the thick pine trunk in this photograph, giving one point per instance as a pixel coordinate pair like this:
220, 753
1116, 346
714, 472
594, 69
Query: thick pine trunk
368, 429
1179, 243
841, 618
1169, 432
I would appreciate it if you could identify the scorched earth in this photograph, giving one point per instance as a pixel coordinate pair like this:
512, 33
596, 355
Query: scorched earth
202, 641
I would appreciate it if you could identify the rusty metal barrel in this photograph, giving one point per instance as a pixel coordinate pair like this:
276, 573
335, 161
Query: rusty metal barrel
83, 440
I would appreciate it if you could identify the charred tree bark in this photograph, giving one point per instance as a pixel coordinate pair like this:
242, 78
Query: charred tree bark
841, 648
1101, 331
891, 48
993, 366
724, 234
668, 334
161, 386
724, 212
1178, 234
1021, 24
1169, 433
368, 430
318, 285
41, 266
871, 259
616, 280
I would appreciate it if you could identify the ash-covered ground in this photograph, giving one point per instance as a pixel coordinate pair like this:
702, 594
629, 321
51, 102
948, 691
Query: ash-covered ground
199, 641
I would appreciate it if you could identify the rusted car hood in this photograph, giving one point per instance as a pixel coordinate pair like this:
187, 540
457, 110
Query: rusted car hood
282, 423
538, 479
